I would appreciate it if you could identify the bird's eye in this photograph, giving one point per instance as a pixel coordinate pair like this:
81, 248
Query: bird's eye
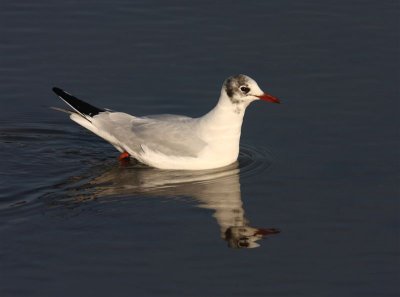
245, 89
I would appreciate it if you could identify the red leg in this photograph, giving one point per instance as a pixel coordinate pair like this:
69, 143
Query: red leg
123, 156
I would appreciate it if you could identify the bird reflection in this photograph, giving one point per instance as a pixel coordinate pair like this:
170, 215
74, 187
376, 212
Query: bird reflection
217, 190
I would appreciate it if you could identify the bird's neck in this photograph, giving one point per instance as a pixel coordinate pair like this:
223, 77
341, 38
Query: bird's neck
224, 121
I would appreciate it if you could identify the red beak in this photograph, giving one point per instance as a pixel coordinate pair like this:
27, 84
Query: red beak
269, 98
265, 232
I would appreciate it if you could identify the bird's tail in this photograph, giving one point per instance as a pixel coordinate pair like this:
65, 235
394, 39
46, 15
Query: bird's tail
82, 113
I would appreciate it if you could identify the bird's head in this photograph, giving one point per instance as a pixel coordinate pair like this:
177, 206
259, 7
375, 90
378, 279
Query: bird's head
242, 90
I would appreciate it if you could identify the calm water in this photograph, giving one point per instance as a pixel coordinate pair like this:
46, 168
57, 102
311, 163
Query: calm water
322, 167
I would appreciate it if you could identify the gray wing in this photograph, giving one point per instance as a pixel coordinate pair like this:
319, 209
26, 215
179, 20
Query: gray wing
167, 134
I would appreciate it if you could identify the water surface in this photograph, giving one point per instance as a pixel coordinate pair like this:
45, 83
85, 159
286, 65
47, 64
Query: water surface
322, 168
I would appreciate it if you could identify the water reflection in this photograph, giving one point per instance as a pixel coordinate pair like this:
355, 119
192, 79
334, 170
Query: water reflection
217, 190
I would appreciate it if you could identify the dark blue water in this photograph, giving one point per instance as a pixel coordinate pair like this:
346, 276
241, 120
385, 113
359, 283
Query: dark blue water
323, 167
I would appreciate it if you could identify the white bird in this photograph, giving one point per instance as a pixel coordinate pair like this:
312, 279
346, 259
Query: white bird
175, 141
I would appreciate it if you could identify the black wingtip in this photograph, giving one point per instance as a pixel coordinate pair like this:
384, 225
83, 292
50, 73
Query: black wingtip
80, 106
58, 91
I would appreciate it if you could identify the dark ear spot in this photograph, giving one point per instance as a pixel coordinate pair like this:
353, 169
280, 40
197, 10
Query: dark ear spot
232, 84
229, 87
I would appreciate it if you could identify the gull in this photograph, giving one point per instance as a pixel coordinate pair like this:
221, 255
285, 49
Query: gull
168, 141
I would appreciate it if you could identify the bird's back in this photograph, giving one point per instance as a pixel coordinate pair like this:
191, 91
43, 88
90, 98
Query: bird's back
169, 135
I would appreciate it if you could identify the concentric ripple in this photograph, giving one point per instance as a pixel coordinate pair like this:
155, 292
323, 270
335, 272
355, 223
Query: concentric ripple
253, 160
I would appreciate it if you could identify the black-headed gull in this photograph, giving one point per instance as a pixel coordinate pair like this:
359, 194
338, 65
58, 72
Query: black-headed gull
175, 141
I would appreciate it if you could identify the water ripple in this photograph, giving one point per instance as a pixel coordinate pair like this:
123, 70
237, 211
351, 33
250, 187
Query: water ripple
61, 165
